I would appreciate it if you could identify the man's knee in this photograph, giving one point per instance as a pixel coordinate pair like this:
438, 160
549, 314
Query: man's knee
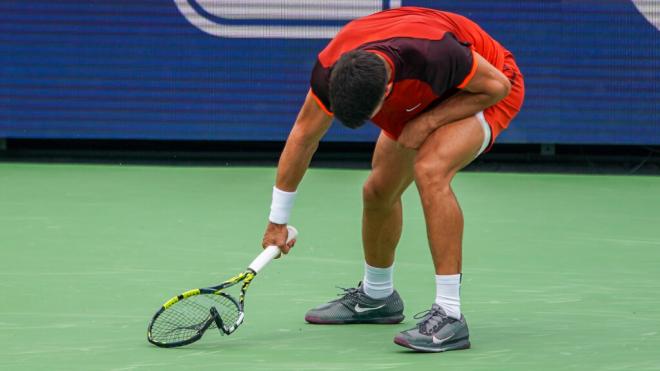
377, 195
433, 173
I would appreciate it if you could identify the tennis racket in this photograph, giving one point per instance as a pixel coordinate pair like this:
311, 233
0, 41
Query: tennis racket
184, 318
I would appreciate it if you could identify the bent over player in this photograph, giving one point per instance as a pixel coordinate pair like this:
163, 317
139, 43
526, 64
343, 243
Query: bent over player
441, 89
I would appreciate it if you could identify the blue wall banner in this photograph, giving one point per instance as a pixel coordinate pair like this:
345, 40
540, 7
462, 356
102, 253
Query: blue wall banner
239, 70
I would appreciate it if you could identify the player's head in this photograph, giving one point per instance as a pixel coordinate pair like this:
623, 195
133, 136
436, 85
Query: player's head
358, 84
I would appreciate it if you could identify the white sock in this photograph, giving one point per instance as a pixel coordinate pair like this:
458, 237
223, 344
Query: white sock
378, 282
447, 294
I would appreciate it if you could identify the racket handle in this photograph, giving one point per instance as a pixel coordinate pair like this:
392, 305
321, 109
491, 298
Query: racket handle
271, 252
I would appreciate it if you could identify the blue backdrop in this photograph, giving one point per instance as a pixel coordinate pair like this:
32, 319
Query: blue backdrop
141, 69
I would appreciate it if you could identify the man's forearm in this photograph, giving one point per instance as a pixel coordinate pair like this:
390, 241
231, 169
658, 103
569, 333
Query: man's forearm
462, 105
311, 124
487, 87
293, 163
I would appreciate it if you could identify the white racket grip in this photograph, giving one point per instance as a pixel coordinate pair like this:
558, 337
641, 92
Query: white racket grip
271, 252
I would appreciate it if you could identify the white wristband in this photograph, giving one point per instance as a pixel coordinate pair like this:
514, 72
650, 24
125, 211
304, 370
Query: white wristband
280, 207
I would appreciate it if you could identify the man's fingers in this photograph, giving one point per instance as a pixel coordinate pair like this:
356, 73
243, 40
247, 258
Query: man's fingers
286, 248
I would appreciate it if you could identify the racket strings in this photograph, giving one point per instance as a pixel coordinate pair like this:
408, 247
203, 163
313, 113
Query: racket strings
186, 318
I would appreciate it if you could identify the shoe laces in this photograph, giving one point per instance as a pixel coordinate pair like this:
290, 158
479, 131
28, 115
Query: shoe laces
348, 292
431, 320
345, 290
351, 294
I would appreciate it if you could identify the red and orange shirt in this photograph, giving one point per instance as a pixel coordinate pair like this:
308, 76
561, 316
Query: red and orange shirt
430, 52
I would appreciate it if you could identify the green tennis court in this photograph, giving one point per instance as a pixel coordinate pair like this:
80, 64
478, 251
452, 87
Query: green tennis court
561, 271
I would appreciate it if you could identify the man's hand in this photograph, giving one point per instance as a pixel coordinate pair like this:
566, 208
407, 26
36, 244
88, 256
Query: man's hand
276, 235
415, 133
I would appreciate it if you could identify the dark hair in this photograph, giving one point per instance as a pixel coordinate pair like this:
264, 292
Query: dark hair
357, 83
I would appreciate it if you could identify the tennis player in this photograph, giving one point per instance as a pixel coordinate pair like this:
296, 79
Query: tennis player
441, 90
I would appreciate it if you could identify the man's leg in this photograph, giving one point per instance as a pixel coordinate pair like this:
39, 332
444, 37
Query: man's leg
376, 301
441, 156
391, 174
447, 150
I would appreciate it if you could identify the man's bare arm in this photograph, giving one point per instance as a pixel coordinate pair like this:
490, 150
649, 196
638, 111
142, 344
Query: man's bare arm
310, 126
487, 87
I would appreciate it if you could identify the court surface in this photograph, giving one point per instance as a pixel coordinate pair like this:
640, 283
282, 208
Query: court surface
561, 271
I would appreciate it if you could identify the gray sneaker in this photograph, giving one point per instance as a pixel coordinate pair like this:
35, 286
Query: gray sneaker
354, 306
436, 333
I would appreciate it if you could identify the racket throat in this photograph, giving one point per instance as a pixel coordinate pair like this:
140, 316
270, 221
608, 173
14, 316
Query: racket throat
218, 320
221, 324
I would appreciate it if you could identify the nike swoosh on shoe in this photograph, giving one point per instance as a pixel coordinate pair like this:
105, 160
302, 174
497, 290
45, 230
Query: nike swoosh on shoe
360, 309
440, 341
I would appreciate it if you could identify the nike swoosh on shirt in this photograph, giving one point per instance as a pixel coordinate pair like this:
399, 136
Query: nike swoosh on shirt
360, 309
414, 108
